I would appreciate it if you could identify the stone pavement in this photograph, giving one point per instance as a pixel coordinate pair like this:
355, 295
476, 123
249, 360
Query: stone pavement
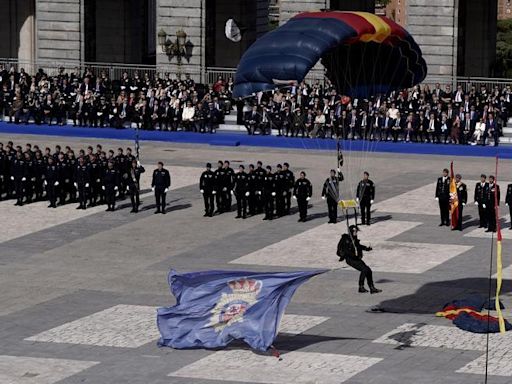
79, 289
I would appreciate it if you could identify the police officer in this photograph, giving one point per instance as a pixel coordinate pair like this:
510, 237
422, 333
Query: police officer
51, 181
290, 184
302, 191
122, 168
207, 188
492, 204
260, 173
220, 176
134, 183
281, 190
39, 165
3, 169
330, 191
160, 184
462, 198
69, 175
82, 181
228, 186
251, 189
96, 183
269, 193
241, 192
365, 194
351, 250
443, 197
508, 202
28, 184
110, 185
19, 177
481, 193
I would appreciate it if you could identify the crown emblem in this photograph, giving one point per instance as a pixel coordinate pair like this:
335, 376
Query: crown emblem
245, 285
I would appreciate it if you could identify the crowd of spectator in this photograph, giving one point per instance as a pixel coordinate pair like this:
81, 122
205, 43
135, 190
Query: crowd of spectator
421, 114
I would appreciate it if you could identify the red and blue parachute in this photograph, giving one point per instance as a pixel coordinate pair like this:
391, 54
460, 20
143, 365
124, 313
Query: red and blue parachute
363, 55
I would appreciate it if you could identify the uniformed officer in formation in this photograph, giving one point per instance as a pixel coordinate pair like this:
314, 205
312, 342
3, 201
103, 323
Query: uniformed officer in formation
351, 250
111, 185
302, 192
281, 190
493, 201
133, 182
481, 193
207, 189
51, 182
462, 197
82, 180
289, 186
241, 192
220, 178
269, 193
508, 202
365, 194
160, 184
331, 193
443, 197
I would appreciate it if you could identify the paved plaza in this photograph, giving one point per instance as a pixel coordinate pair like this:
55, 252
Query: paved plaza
79, 289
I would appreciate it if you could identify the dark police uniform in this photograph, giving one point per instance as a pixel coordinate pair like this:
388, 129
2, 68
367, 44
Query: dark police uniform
228, 185
302, 191
220, 176
462, 197
281, 192
289, 186
494, 189
443, 195
121, 165
269, 190
134, 186
82, 179
260, 201
350, 249
207, 185
19, 176
252, 188
366, 194
110, 183
39, 164
240, 189
51, 177
481, 193
161, 181
508, 202
330, 191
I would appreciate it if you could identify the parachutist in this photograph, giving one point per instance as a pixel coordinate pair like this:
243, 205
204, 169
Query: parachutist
351, 250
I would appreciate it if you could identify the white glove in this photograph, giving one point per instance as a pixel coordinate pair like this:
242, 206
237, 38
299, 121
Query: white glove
12, 177
127, 187
506, 204
323, 197
224, 189
437, 198
295, 197
476, 203
86, 185
371, 201
202, 191
166, 190
138, 163
232, 192
103, 187
23, 179
308, 198
98, 180
484, 206
357, 199
464, 204
258, 192
56, 183
76, 185
339, 169
273, 193
214, 192
247, 194
153, 189
115, 188
33, 179
45, 183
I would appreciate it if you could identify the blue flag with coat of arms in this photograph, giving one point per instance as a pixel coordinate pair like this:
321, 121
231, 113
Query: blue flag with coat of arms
214, 308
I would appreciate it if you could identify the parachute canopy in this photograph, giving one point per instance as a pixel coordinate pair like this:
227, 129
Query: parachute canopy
363, 55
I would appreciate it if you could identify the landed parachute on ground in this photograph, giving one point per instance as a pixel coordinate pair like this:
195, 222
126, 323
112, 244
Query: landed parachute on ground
363, 55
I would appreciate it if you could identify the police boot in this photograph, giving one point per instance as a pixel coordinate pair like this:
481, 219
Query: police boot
374, 290
362, 289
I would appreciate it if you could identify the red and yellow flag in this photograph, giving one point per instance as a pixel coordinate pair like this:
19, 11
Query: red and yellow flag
454, 200
499, 261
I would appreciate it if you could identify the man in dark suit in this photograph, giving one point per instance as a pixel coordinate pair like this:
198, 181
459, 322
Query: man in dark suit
491, 129
481, 193
493, 198
443, 197
252, 120
462, 197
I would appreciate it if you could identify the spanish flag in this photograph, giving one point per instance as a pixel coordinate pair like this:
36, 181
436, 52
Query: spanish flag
454, 200
499, 260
